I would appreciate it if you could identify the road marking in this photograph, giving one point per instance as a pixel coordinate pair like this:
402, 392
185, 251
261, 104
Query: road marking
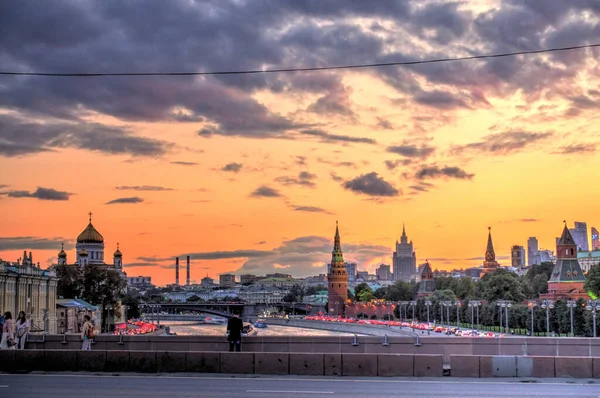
3, 386
290, 392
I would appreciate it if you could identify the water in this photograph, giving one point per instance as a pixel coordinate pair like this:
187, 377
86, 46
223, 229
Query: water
191, 329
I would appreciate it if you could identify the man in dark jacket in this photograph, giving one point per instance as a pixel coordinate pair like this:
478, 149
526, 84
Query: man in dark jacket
234, 332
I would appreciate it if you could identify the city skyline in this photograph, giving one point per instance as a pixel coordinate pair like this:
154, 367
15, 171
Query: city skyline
248, 173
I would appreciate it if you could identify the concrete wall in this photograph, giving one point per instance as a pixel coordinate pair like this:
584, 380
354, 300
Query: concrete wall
445, 346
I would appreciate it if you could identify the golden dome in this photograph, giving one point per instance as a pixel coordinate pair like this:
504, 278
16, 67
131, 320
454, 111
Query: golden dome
62, 253
90, 235
83, 253
118, 252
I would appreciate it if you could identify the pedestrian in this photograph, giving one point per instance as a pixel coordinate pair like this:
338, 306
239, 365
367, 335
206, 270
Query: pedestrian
87, 333
23, 326
8, 333
234, 332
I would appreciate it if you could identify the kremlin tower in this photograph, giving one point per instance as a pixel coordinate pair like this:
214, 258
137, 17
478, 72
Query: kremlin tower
490, 264
337, 279
427, 284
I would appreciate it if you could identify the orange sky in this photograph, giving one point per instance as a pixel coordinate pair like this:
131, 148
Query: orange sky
527, 156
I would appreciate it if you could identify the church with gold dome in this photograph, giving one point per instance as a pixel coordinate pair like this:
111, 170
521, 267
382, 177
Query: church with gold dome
90, 251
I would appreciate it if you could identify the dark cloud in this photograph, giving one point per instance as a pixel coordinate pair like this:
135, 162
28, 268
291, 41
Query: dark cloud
334, 102
419, 188
411, 151
393, 164
131, 200
40, 193
310, 209
434, 172
301, 160
181, 163
265, 192
576, 149
440, 99
503, 143
232, 167
304, 178
142, 188
34, 243
332, 138
20, 137
336, 177
529, 220
384, 124
371, 184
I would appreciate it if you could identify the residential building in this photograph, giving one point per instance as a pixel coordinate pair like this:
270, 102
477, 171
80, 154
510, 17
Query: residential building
404, 259
248, 279
278, 282
580, 235
517, 256
227, 280
262, 295
207, 282
384, 272
278, 275
140, 282
24, 286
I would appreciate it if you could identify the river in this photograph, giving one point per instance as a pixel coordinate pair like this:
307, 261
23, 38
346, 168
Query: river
191, 329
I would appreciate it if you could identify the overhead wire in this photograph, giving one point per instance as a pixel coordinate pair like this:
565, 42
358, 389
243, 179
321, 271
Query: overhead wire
308, 69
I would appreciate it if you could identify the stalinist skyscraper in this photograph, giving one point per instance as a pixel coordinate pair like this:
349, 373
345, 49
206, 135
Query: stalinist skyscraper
404, 259
337, 279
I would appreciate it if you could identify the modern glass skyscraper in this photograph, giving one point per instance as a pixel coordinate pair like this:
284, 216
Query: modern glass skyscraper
533, 255
580, 235
595, 239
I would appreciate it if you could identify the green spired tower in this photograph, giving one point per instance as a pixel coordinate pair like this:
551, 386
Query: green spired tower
337, 279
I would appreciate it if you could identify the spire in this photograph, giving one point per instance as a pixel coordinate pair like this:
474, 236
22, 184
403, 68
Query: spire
336, 255
403, 238
90, 214
489, 252
403, 230
566, 237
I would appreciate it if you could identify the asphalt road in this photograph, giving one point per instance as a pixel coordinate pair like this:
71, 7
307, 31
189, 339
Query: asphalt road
183, 386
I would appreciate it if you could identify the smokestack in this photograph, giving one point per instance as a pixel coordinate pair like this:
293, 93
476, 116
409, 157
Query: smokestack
187, 280
177, 271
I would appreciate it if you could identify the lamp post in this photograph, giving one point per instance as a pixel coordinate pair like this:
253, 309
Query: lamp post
547, 305
474, 304
504, 304
441, 313
594, 306
447, 304
428, 304
458, 307
413, 304
571, 304
499, 304
405, 305
531, 305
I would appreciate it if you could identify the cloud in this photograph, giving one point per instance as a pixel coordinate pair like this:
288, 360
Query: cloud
384, 124
301, 160
304, 179
411, 151
371, 184
265, 192
310, 209
503, 143
232, 167
393, 164
34, 243
443, 172
335, 102
440, 99
529, 220
336, 177
181, 163
142, 188
582, 149
333, 138
131, 200
40, 193
19, 137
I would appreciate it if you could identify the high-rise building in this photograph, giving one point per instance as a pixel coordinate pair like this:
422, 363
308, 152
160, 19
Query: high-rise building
384, 272
404, 259
595, 239
580, 236
533, 251
517, 256
337, 278
227, 280
490, 264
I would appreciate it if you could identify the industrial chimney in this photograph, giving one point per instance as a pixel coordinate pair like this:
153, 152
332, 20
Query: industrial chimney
187, 280
177, 271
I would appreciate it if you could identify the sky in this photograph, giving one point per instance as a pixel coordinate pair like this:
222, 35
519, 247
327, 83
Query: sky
248, 173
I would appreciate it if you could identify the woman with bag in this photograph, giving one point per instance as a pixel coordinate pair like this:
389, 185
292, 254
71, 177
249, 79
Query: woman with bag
8, 333
87, 333
23, 326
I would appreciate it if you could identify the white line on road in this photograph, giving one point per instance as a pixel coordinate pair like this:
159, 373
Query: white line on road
3, 386
290, 392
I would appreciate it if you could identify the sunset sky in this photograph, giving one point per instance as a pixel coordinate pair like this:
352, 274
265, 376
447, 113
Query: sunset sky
248, 173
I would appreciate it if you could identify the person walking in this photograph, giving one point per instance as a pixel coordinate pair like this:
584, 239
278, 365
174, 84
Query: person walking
8, 333
23, 326
234, 332
87, 333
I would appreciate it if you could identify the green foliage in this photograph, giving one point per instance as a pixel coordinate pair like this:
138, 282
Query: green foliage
95, 285
360, 288
380, 293
133, 305
311, 290
539, 284
400, 291
538, 269
592, 281
365, 295
194, 299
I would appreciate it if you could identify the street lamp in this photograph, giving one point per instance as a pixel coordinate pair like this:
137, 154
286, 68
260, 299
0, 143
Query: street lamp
547, 305
571, 304
594, 306
458, 307
428, 304
413, 304
531, 305
504, 304
447, 304
405, 305
474, 304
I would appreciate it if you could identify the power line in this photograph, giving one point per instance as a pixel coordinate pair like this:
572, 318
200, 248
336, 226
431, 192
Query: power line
287, 70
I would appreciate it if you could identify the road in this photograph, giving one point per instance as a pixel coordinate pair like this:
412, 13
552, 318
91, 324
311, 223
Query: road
184, 386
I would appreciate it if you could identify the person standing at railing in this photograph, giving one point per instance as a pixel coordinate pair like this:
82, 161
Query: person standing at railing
23, 326
87, 333
8, 332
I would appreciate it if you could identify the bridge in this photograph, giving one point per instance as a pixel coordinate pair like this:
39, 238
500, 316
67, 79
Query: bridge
247, 311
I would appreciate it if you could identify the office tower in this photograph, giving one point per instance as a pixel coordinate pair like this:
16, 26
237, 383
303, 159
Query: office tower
384, 272
404, 259
533, 257
580, 235
595, 239
517, 256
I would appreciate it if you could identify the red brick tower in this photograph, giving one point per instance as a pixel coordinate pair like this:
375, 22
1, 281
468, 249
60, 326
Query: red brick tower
337, 278
490, 264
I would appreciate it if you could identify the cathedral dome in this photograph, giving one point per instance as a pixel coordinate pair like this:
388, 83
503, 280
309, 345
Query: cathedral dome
118, 252
62, 254
83, 253
90, 235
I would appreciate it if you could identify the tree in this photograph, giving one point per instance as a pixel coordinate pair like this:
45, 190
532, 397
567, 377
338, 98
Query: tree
380, 293
399, 291
537, 269
365, 295
133, 306
359, 289
539, 284
69, 281
193, 299
289, 298
592, 281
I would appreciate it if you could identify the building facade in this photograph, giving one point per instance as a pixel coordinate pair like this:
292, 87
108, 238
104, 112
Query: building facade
227, 280
517, 257
588, 259
580, 236
490, 264
24, 286
140, 282
337, 278
350, 270
384, 272
533, 251
595, 239
404, 259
